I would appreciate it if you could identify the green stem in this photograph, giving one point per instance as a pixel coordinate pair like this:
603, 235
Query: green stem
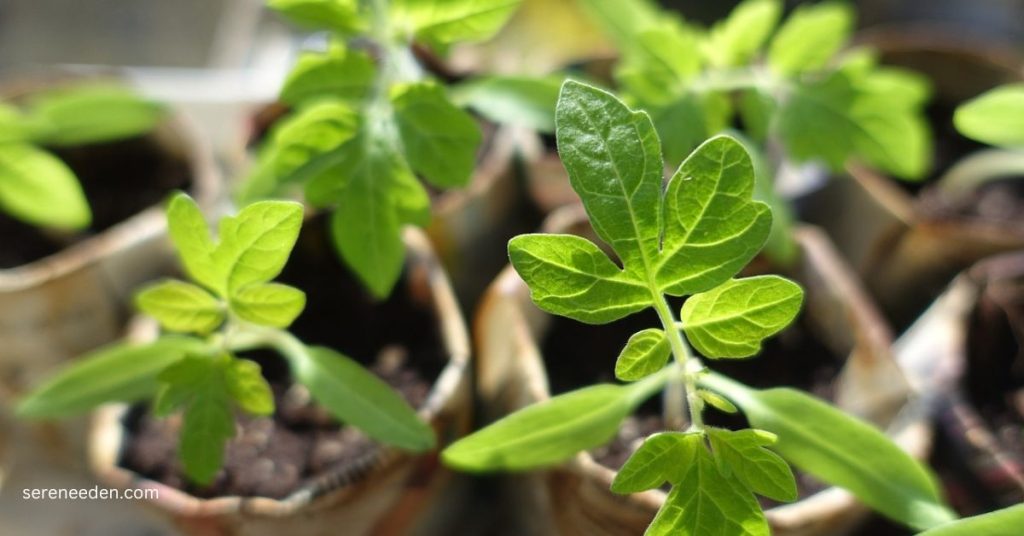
686, 364
250, 337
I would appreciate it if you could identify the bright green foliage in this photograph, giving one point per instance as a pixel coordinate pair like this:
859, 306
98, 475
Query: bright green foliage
832, 446
663, 457
35, 186
516, 100
444, 22
118, 372
689, 238
548, 432
645, 353
809, 39
737, 39
367, 121
680, 71
1005, 522
234, 307
708, 501
181, 306
357, 397
761, 470
733, 319
995, 117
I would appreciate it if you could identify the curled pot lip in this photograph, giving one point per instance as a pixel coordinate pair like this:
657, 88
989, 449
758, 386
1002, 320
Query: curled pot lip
447, 406
510, 367
177, 136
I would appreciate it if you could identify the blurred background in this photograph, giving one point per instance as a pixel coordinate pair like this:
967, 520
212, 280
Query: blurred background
217, 61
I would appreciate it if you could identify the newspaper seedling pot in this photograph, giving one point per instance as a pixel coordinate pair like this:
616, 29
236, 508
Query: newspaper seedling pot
575, 498
380, 490
61, 296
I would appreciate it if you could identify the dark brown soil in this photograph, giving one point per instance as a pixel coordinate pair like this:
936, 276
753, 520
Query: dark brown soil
398, 338
120, 179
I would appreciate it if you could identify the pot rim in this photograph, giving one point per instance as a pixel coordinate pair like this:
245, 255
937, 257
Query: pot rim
107, 433
143, 226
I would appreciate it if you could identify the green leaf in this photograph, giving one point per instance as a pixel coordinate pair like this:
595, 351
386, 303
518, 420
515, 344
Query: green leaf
830, 444
199, 385
248, 388
445, 22
304, 147
339, 74
708, 502
732, 319
757, 109
440, 140
613, 158
359, 398
255, 244
716, 401
570, 276
191, 237
339, 15
735, 40
712, 225
269, 304
116, 373
180, 306
659, 62
1005, 522
744, 454
92, 114
645, 353
514, 100
662, 457
832, 118
548, 432
375, 194
687, 121
37, 188
623, 21
16, 127
810, 37
995, 117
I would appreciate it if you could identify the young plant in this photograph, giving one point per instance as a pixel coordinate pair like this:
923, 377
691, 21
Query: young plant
689, 238
797, 96
367, 120
995, 117
230, 306
35, 186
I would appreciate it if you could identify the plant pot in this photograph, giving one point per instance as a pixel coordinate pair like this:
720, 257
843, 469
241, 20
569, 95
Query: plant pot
63, 295
574, 498
966, 351
471, 225
907, 240
373, 489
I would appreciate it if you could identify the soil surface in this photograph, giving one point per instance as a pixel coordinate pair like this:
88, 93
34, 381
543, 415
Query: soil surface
120, 179
399, 339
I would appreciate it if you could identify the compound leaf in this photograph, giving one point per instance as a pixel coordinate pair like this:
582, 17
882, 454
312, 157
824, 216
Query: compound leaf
255, 243
440, 140
338, 73
744, 454
269, 304
810, 37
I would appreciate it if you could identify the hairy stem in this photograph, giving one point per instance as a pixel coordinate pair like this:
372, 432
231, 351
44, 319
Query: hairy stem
684, 383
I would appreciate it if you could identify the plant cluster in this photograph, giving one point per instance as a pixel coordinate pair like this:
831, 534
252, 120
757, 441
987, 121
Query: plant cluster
37, 187
367, 120
231, 306
689, 239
